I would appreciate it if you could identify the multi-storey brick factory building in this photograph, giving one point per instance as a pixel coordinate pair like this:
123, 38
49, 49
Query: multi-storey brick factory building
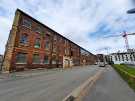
32, 44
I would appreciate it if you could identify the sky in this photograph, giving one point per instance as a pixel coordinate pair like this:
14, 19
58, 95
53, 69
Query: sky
89, 23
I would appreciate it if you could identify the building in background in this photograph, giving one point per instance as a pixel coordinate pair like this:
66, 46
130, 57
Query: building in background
32, 44
122, 57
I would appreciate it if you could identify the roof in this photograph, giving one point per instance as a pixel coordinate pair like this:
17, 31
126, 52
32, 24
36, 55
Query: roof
122, 53
49, 28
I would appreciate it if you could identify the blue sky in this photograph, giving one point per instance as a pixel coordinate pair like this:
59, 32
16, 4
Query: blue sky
85, 22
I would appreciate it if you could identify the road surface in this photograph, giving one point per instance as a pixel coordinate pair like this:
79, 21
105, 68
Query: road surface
44, 86
110, 87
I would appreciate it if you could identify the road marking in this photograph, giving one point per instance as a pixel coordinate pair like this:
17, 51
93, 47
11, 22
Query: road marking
79, 92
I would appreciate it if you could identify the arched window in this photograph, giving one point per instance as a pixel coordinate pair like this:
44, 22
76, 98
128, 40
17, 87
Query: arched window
24, 39
37, 43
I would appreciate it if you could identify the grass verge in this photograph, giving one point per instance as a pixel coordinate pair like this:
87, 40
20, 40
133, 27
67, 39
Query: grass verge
127, 73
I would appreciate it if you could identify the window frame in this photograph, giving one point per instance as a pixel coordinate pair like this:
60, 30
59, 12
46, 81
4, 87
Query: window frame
47, 60
39, 43
21, 42
17, 58
33, 60
26, 22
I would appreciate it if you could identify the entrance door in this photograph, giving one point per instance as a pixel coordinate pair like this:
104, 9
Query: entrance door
67, 63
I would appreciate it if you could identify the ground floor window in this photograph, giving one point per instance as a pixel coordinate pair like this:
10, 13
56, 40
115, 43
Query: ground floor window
54, 60
21, 58
46, 60
36, 59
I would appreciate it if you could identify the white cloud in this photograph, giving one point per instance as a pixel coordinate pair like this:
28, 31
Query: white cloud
76, 19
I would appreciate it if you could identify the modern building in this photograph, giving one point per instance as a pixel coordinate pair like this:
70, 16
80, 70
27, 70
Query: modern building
124, 57
32, 44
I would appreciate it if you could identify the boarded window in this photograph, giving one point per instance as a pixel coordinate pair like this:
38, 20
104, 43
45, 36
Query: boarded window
21, 58
37, 43
26, 23
36, 58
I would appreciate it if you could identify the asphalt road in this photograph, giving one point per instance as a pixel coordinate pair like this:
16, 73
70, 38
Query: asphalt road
110, 87
44, 86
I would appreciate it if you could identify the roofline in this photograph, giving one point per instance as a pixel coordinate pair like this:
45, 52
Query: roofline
122, 53
49, 28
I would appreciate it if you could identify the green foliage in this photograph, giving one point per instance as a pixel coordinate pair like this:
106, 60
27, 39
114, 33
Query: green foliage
127, 73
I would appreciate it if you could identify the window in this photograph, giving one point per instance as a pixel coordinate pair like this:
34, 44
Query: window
55, 38
119, 57
21, 58
131, 57
47, 45
26, 23
111, 58
127, 57
116, 58
36, 59
60, 60
37, 43
122, 57
54, 49
24, 39
46, 60
38, 30
54, 60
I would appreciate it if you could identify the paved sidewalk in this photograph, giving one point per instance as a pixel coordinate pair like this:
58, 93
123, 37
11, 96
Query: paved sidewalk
35, 72
110, 87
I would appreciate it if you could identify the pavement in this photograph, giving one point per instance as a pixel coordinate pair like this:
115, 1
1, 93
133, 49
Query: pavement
110, 87
43, 85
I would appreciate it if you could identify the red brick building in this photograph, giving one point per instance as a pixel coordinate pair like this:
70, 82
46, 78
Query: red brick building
32, 44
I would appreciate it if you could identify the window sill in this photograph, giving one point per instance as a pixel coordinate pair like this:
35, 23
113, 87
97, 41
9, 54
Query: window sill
26, 27
36, 47
24, 44
37, 63
20, 63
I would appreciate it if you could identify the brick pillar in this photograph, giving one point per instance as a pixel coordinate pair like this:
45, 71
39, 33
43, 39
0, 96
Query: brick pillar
6, 66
